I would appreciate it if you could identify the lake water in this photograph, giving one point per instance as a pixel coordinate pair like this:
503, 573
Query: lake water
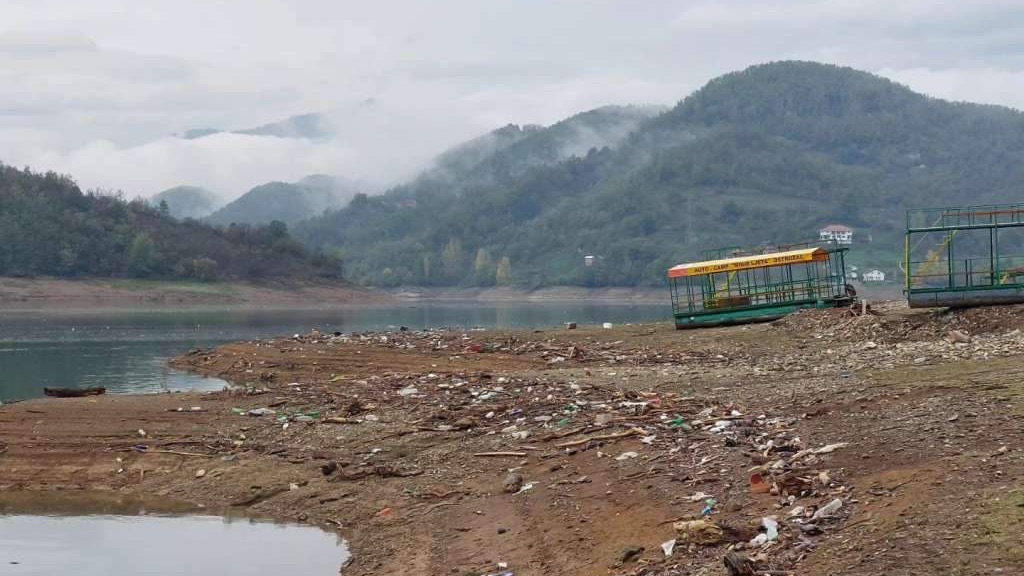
47, 534
127, 351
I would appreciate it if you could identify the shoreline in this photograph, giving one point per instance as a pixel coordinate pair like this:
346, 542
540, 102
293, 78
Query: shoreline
19, 294
414, 433
98, 295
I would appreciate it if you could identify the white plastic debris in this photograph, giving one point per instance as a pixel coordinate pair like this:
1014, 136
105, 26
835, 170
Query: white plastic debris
828, 509
626, 456
607, 325
831, 448
648, 439
668, 547
408, 391
771, 528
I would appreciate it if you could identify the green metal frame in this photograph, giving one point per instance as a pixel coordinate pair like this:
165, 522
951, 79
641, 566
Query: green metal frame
759, 294
940, 279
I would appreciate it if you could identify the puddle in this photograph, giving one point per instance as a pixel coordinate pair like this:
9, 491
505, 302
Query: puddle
106, 535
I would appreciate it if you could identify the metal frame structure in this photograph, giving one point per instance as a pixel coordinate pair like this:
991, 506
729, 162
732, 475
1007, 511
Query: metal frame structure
759, 286
945, 276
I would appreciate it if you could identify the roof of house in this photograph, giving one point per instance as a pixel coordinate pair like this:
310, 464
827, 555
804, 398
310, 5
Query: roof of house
837, 228
748, 262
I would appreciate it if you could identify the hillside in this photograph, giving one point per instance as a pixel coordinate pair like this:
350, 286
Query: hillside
287, 202
186, 201
309, 126
769, 154
48, 226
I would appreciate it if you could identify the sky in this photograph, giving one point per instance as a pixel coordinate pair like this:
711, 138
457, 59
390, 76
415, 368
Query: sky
99, 89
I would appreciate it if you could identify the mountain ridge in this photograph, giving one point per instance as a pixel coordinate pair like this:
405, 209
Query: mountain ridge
767, 154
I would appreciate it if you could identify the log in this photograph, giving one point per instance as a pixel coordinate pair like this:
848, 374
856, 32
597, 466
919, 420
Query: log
74, 392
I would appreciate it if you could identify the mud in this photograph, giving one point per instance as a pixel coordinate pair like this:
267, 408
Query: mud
405, 443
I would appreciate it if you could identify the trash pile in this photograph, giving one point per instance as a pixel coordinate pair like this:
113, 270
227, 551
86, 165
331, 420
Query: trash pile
555, 434
792, 479
891, 324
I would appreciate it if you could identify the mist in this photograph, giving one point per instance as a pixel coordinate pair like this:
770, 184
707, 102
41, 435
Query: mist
98, 90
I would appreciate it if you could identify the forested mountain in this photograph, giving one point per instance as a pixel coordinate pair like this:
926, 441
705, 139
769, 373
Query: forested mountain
309, 126
287, 202
766, 155
186, 201
48, 226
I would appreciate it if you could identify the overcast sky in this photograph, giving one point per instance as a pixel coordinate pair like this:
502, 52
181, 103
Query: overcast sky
96, 88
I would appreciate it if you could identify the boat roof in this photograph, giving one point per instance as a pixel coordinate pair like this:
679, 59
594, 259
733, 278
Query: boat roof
748, 262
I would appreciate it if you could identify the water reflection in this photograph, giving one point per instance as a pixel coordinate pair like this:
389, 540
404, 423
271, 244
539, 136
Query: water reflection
110, 536
128, 351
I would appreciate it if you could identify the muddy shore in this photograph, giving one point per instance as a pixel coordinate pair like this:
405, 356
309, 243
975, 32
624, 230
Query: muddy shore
583, 451
54, 294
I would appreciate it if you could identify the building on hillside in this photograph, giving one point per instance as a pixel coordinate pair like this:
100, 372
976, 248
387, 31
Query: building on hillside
874, 276
837, 233
588, 261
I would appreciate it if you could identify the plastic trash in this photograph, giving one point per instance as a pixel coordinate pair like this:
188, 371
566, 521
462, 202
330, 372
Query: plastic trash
758, 485
626, 456
262, 412
607, 325
702, 532
828, 509
408, 391
678, 422
771, 528
709, 507
668, 547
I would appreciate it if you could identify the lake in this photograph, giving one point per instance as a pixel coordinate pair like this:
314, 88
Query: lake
108, 535
127, 351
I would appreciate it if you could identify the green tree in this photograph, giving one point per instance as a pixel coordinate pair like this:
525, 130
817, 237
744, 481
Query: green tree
483, 268
503, 276
452, 259
141, 256
204, 269
277, 229
165, 210
731, 212
427, 267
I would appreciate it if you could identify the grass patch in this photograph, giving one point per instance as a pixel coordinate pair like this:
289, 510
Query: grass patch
1002, 525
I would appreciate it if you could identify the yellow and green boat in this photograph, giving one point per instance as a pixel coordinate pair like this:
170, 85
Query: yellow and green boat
757, 287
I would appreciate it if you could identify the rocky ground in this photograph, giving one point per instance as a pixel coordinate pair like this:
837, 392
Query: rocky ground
824, 443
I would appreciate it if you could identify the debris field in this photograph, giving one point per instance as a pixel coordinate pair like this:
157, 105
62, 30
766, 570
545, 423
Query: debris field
828, 442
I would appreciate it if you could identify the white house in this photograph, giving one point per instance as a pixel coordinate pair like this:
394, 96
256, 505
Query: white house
836, 232
874, 276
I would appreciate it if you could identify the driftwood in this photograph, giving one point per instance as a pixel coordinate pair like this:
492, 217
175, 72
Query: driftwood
74, 392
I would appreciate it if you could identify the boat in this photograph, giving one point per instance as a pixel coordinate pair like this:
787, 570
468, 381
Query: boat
74, 392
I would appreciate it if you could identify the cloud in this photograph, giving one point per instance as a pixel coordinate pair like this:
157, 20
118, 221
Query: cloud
96, 88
